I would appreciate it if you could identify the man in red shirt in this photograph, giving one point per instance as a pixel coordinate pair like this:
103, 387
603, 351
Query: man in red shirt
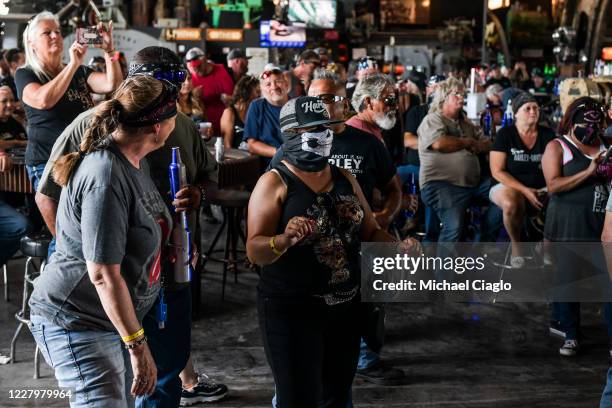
217, 85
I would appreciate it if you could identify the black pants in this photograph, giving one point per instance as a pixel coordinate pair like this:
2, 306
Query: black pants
312, 349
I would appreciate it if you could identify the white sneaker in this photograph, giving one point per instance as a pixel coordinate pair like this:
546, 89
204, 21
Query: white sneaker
517, 262
569, 348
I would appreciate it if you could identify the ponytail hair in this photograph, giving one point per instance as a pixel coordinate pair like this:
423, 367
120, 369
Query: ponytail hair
104, 122
132, 96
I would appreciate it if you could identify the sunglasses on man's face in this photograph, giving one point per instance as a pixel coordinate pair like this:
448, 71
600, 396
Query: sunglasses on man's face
330, 99
390, 101
267, 74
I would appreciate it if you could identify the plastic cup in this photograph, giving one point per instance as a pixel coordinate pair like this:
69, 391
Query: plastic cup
205, 130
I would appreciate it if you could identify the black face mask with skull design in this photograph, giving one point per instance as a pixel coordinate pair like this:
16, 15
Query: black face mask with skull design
310, 150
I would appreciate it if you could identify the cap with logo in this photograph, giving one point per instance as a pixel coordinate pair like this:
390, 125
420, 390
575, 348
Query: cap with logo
434, 79
303, 112
193, 53
237, 53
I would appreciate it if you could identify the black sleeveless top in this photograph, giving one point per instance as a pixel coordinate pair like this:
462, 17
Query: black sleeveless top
578, 214
238, 129
325, 265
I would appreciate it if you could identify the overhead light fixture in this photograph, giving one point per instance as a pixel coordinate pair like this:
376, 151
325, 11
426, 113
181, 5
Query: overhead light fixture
497, 4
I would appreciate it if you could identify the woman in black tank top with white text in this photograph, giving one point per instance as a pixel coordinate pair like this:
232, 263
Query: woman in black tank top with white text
577, 206
306, 222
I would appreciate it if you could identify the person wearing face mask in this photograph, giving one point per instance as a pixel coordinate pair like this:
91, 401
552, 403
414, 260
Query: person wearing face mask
215, 83
515, 161
368, 160
577, 208
450, 174
309, 218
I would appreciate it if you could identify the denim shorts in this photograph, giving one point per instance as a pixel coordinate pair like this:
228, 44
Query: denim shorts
495, 188
93, 364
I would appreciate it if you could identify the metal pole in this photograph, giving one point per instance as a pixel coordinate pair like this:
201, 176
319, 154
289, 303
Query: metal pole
484, 30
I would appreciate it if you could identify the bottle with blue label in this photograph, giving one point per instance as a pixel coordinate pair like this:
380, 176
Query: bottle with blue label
181, 236
508, 118
488, 121
412, 188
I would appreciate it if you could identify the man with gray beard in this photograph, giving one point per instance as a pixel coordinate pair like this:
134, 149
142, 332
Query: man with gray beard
375, 103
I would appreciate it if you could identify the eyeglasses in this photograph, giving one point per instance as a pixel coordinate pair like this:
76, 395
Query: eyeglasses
532, 108
330, 99
267, 74
390, 101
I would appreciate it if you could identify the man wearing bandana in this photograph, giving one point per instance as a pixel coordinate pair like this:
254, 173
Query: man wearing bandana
577, 206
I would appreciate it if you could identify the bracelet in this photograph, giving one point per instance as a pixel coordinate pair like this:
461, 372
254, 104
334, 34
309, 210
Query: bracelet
133, 336
137, 343
273, 247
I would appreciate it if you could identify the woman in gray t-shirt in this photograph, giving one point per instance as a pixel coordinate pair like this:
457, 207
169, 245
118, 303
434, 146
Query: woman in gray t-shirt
112, 226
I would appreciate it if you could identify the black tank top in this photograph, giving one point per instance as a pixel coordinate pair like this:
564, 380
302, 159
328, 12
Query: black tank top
238, 129
325, 265
578, 214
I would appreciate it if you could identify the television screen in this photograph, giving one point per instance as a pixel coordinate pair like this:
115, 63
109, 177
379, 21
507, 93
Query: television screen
314, 13
273, 33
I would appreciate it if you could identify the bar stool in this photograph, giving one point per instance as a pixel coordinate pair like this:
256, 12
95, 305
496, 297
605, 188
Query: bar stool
233, 203
32, 246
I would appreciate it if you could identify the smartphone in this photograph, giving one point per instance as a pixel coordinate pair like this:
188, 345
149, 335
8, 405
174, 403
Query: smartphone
88, 35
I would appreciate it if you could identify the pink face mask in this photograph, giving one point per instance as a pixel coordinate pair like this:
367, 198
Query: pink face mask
194, 64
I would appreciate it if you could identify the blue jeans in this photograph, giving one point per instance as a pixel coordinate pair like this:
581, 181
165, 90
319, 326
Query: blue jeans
367, 357
93, 364
35, 173
13, 226
51, 248
450, 203
606, 397
404, 172
170, 348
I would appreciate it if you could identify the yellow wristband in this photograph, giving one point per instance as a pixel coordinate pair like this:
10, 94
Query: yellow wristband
133, 336
273, 247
